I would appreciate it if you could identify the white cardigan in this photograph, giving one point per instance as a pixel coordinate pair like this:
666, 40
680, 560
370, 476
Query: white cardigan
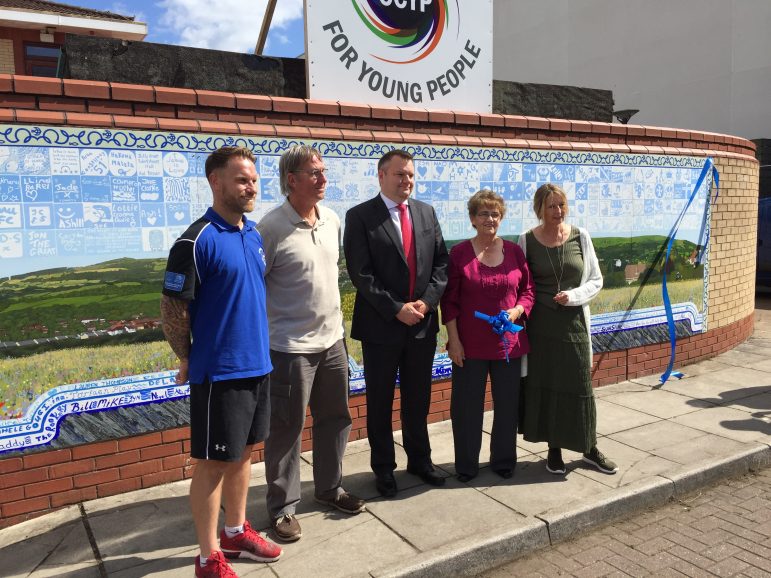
591, 283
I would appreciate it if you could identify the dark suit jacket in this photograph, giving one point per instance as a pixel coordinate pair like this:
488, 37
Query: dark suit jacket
378, 269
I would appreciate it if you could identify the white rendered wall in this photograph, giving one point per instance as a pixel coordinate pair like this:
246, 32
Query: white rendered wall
696, 64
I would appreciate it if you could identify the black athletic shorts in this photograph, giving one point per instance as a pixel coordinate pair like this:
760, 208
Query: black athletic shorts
226, 416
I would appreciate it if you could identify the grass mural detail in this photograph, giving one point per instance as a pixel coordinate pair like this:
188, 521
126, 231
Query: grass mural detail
103, 321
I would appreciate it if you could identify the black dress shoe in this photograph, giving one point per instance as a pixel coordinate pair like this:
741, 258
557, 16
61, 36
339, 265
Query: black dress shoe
463, 478
505, 473
430, 477
386, 485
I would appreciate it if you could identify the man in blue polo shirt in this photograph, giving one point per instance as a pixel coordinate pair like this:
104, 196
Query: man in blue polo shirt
214, 291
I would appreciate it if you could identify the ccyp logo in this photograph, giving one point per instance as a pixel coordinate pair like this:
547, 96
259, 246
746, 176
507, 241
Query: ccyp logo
412, 27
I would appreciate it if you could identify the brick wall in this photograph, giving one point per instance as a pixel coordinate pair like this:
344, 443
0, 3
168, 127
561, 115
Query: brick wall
733, 246
33, 484
6, 56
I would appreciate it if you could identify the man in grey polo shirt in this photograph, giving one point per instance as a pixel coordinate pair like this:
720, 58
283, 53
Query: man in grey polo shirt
310, 362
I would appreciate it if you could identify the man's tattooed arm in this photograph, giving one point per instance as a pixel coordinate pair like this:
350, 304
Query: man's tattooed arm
176, 328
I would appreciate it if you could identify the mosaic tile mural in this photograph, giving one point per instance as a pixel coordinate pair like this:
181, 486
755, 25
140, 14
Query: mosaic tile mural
87, 218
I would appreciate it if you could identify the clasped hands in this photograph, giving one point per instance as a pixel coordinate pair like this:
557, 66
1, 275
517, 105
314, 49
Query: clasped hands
412, 313
561, 298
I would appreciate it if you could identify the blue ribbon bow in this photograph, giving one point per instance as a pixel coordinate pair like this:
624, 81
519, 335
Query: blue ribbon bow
500, 324
709, 167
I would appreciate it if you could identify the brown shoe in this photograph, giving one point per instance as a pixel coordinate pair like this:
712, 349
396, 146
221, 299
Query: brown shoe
287, 528
345, 502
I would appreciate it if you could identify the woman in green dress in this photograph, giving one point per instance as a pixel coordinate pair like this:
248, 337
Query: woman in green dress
558, 400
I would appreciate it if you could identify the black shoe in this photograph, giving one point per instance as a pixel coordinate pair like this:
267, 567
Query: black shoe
430, 476
599, 461
505, 473
386, 485
554, 463
463, 478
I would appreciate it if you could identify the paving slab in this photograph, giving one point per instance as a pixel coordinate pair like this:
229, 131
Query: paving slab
177, 565
700, 448
614, 418
633, 464
623, 387
132, 534
656, 435
742, 358
707, 366
533, 490
763, 365
64, 551
721, 386
728, 422
754, 347
691, 477
428, 518
37, 527
476, 553
667, 404
336, 545
759, 404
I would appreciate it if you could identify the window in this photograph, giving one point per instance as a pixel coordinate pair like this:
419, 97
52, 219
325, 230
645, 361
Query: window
42, 59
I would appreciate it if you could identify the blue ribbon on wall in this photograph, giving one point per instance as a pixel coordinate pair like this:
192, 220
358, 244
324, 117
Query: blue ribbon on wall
709, 167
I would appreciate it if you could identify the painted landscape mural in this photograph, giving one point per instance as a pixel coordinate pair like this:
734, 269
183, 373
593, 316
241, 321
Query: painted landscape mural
87, 218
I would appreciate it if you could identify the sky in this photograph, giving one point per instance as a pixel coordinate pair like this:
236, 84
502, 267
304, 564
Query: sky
232, 25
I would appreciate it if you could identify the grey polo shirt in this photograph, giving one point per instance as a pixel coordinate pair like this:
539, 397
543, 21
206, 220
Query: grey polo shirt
301, 276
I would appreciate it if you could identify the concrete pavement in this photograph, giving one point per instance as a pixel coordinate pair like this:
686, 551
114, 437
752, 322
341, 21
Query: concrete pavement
723, 530
668, 441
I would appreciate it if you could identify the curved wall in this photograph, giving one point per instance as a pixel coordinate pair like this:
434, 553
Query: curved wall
37, 482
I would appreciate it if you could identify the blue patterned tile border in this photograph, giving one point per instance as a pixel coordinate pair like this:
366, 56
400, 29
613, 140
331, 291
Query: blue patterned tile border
20, 135
40, 423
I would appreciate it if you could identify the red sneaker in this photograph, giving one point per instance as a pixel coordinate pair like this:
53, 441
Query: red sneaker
249, 544
216, 567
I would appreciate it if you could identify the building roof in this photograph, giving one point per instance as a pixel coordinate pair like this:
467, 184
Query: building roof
57, 17
63, 9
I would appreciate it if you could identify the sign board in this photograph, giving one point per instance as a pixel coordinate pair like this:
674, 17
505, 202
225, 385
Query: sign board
434, 54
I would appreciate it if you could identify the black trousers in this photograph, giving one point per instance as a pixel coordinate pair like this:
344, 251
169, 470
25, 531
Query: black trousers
413, 359
467, 411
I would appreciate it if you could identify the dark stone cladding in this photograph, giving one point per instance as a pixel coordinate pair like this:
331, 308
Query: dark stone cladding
146, 63
86, 428
763, 154
631, 338
552, 101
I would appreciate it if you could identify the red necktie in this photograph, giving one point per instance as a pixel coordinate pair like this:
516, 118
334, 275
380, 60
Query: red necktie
409, 246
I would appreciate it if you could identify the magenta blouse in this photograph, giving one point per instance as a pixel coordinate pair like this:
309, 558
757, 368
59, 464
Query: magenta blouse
473, 286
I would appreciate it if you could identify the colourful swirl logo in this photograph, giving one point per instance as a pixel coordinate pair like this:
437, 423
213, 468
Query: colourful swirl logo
412, 27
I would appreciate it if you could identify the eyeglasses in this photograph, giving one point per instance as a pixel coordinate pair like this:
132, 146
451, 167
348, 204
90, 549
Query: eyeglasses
314, 174
492, 215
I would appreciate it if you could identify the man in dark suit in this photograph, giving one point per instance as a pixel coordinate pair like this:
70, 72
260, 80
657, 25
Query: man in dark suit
397, 260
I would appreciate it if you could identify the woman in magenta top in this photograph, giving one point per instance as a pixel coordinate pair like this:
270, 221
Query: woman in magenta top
489, 275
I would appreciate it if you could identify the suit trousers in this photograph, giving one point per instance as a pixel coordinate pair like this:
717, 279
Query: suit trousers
299, 380
467, 412
413, 359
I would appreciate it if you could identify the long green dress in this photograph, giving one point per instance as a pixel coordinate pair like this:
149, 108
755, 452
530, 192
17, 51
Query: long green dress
558, 403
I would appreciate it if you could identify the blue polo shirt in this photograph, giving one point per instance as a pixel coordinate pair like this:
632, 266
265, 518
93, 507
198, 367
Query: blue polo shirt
219, 269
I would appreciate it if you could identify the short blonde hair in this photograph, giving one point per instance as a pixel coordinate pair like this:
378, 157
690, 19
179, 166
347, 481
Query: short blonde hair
543, 193
486, 198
